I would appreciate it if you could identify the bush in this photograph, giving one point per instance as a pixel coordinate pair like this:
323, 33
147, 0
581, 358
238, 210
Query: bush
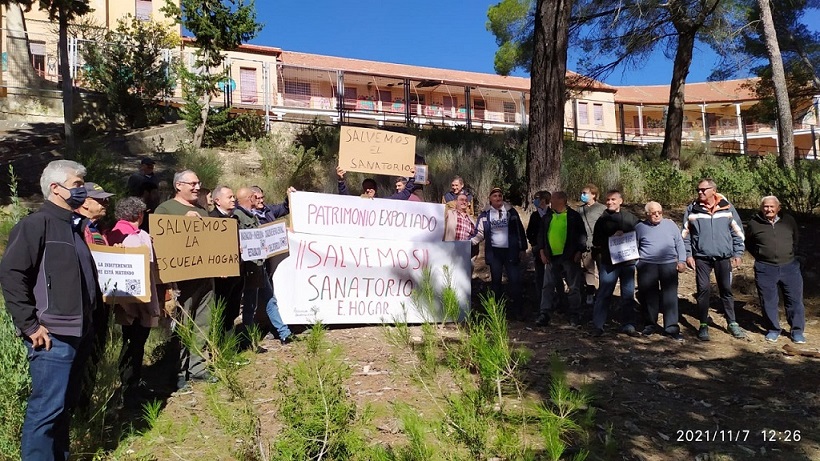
667, 184
798, 189
205, 163
735, 179
15, 385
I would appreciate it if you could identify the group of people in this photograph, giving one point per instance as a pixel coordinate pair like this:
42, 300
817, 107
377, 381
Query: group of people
50, 283
574, 267
51, 290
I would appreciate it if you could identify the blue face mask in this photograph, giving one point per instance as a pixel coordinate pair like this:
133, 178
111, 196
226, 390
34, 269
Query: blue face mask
77, 196
584, 198
536, 202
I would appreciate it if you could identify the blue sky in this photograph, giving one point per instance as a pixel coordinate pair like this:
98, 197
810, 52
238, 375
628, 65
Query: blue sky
449, 34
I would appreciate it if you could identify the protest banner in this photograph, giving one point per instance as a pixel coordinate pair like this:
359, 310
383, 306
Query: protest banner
345, 280
123, 273
376, 151
189, 248
623, 247
264, 241
348, 216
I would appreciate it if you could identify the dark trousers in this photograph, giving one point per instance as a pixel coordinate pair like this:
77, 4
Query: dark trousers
195, 296
658, 291
134, 337
499, 261
56, 379
559, 268
768, 279
539, 280
723, 274
228, 291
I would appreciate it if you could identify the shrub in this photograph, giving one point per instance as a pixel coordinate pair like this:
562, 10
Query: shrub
205, 163
667, 184
798, 189
735, 179
15, 385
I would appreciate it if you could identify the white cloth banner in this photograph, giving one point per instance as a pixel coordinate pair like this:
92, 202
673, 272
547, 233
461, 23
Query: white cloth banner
123, 273
351, 216
623, 247
264, 241
345, 280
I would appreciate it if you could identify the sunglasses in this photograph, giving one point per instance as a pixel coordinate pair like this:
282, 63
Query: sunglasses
703, 189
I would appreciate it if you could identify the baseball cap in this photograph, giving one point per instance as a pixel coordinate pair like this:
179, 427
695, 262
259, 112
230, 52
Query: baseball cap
96, 191
496, 189
147, 161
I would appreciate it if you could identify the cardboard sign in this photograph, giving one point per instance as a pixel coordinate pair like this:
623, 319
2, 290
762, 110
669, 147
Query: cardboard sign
348, 216
343, 281
123, 273
376, 152
624, 247
264, 241
190, 248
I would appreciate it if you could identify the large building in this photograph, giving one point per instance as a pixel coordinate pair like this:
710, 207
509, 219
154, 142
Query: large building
287, 85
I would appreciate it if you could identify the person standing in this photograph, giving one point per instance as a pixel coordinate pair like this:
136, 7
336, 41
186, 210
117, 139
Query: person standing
136, 318
771, 237
195, 295
713, 237
228, 290
613, 222
50, 287
560, 243
541, 201
590, 210
505, 244
145, 174
662, 257
458, 225
456, 188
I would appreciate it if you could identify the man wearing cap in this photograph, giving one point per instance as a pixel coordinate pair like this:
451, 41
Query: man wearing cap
145, 173
94, 209
499, 226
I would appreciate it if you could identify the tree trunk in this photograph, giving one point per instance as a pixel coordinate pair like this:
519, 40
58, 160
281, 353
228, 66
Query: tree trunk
68, 88
20, 72
781, 93
674, 119
545, 146
199, 134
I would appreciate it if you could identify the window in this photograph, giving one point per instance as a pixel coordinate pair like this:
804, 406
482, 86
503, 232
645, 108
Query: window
450, 102
297, 88
247, 84
598, 114
583, 113
38, 56
350, 93
509, 112
385, 96
144, 9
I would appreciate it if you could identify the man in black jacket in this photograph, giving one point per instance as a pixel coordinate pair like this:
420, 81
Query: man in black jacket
50, 286
227, 289
614, 222
561, 242
771, 237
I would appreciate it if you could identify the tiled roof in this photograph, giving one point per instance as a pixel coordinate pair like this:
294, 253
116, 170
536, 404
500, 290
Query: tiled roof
725, 91
458, 77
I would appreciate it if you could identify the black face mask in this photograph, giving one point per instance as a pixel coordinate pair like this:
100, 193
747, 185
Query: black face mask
77, 196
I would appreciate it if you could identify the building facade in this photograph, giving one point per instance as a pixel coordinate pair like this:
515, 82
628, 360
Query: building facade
287, 85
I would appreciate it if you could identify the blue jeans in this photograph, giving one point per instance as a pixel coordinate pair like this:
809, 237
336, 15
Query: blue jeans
56, 378
608, 276
272, 308
768, 278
